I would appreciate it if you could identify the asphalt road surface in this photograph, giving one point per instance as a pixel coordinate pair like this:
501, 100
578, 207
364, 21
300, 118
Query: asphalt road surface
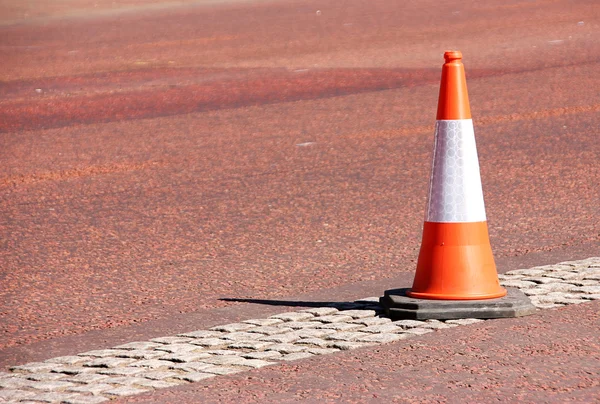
159, 157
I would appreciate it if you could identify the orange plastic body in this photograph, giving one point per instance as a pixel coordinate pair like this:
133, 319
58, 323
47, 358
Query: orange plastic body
453, 102
456, 263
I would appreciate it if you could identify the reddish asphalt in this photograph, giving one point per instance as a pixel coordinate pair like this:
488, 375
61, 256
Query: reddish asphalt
158, 160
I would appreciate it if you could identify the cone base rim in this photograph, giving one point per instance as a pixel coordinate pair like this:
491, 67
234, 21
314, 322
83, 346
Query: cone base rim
442, 296
399, 306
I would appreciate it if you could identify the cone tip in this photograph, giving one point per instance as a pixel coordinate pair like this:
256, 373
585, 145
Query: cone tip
452, 55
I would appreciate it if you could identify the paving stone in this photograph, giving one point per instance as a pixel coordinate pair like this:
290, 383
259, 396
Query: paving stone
391, 327
93, 388
321, 343
75, 370
577, 296
335, 318
150, 363
286, 348
270, 330
564, 275
50, 385
368, 321
255, 363
159, 384
558, 298
340, 326
39, 377
535, 291
383, 338
14, 395
322, 351
281, 338
14, 382
588, 289
201, 334
594, 277
34, 367
301, 325
223, 360
451, 325
547, 305
591, 260
527, 272
293, 316
125, 391
69, 360
358, 314
124, 380
572, 301
406, 324
195, 376
295, 356
178, 348
137, 345
320, 311
558, 287
130, 371
191, 367
185, 357
210, 342
561, 266
314, 333
222, 370
418, 331
346, 345
171, 340
585, 282
256, 345
53, 397
465, 321
261, 355
141, 354
502, 277
241, 336
158, 375
263, 322
86, 400
101, 353
222, 352
233, 327
517, 283
541, 280
86, 378
345, 336
438, 325
108, 362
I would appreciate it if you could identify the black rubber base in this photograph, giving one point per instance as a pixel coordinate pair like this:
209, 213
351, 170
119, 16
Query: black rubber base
398, 306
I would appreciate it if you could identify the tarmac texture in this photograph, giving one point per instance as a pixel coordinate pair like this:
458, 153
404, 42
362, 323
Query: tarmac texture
170, 166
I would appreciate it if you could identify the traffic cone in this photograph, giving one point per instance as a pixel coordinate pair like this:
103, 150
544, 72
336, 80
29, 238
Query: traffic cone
455, 261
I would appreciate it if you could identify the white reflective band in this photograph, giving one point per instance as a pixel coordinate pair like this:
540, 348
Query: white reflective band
455, 193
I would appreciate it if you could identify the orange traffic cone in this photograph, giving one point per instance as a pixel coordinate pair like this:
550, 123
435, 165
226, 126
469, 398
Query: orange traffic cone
455, 261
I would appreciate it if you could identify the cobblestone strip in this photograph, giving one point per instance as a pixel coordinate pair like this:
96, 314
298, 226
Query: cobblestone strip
100, 375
